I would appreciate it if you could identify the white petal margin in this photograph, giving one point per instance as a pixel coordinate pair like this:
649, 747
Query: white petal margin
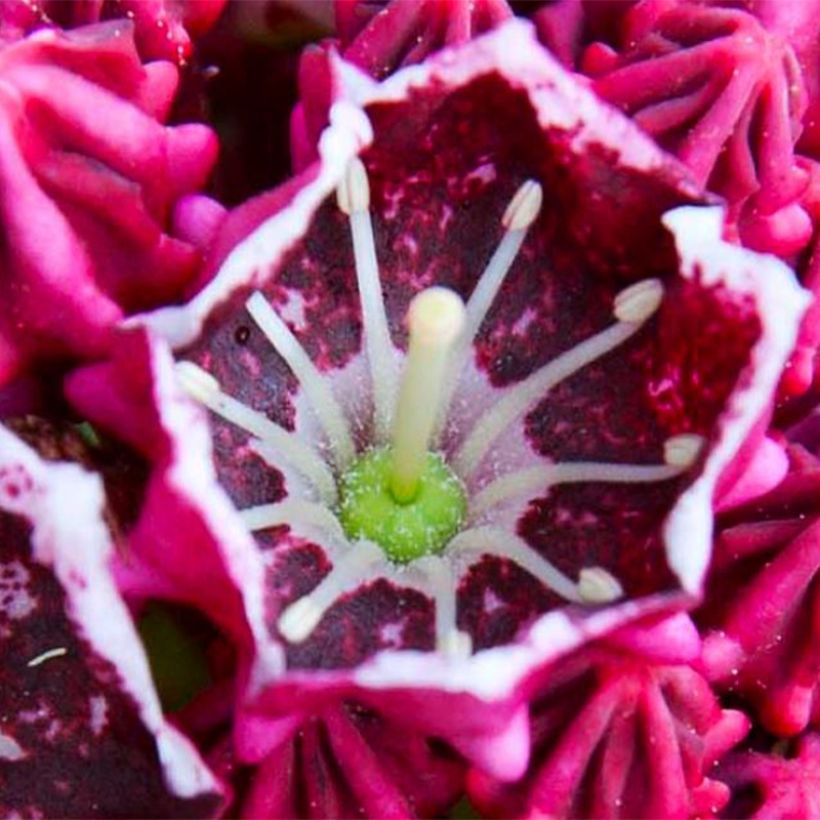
780, 303
193, 476
250, 262
64, 505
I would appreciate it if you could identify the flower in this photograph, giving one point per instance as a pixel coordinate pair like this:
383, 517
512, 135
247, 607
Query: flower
624, 727
91, 183
634, 367
763, 640
81, 729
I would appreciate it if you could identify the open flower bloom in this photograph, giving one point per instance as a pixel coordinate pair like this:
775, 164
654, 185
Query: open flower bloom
624, 727
423, 523
765, 639
90, 183
82, 732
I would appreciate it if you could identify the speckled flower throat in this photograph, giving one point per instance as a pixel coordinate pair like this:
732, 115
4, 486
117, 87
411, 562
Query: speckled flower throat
421, 500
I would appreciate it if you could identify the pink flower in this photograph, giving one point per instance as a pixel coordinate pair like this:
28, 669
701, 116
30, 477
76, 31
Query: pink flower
623, 728
92, 183
763, 641
621, 381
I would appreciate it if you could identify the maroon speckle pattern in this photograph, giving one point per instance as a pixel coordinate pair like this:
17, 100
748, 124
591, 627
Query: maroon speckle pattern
442, 169
85, 752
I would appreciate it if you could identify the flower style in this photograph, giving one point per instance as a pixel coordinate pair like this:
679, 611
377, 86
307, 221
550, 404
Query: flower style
623, 728
91, 184
81, 728
633, 368
764, 640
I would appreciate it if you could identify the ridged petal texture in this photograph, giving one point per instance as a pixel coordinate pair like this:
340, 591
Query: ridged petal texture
91, 182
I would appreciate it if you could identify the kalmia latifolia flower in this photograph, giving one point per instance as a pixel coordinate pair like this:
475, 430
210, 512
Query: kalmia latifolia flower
622, 728
92, 185
468, 415
81, 728
764, 642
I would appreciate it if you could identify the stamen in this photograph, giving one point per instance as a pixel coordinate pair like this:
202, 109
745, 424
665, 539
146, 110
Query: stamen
450, 640
435, 317
637, 302
597, 586
299, 620
680, 453
354, 200
520, 214
293, 512
202, 386
315, 386
684, 450
498, 542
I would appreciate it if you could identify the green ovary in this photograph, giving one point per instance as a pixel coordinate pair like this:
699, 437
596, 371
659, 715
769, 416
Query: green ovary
408, 531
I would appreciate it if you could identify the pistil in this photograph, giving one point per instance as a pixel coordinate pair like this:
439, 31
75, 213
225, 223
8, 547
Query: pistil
435, 319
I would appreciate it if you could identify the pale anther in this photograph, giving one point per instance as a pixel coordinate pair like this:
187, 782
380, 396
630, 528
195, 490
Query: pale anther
524, 206
683, 450
353, 194
196, 382
597, 586
639, 301
299, 619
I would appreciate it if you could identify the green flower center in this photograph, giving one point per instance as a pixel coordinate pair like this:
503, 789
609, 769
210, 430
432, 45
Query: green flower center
404, 530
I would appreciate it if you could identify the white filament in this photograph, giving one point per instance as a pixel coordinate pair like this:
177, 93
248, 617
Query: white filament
354, 200
450, 640
499, 542
299, 620
293, 512
520, 398
539, 479
203, 387
316, 388
520, 214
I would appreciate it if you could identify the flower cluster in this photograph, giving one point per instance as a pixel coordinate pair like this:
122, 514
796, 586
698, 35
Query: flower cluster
473, 465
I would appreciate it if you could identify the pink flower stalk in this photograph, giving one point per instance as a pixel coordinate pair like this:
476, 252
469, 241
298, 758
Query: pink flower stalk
618, 384
82, 732
775, 785
91, 185
622, 728
763, 642
163, 28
